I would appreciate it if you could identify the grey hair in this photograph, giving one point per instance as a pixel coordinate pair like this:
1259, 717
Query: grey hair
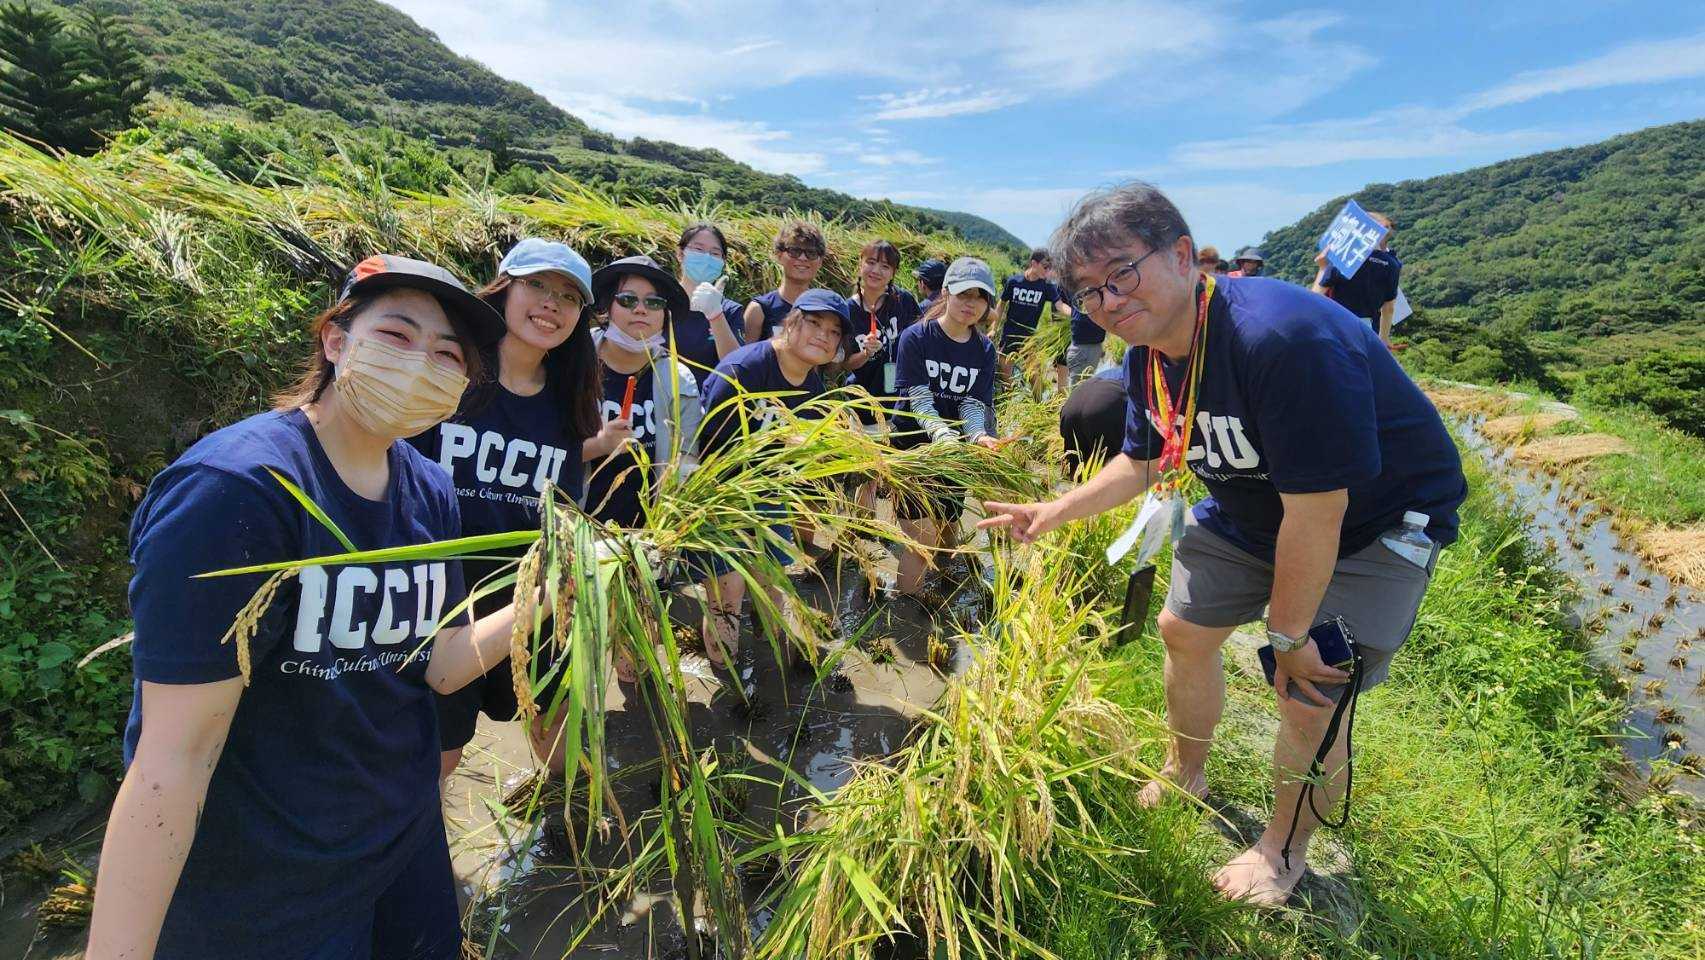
1112, 218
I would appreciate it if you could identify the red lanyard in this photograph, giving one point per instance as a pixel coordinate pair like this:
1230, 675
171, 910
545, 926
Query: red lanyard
1162, 408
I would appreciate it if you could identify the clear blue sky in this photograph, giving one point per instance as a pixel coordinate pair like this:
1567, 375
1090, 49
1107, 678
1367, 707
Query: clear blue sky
1249, 114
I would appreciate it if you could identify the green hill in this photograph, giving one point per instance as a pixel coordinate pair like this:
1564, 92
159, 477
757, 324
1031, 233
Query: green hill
371, 65
1597, 251
980, 230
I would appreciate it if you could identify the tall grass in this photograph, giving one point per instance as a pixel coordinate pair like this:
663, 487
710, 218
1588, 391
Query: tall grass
1489, 820
942, 842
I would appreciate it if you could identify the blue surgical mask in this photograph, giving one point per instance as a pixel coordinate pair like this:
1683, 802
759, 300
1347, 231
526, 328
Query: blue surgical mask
701, 267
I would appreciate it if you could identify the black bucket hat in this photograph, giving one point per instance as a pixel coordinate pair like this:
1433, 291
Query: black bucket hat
387, 271
607, 277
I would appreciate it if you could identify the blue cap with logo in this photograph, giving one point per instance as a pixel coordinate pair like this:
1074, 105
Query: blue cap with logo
534, 255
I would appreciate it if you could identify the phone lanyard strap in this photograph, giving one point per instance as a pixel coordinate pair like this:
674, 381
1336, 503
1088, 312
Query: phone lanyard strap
1344, 713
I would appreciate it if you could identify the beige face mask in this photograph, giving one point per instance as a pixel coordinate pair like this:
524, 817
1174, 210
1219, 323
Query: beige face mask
395, 393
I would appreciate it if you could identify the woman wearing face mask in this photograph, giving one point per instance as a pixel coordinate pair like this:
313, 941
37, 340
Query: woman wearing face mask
645, 391
514, 434
709, 330
947, 380
799, 250
810, 336
311, 792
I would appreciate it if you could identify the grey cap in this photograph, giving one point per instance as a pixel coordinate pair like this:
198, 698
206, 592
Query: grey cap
1250, 253
967, 273
534, 255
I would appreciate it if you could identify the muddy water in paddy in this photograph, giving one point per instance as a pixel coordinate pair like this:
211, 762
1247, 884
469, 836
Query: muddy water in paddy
524, 879
1649, 631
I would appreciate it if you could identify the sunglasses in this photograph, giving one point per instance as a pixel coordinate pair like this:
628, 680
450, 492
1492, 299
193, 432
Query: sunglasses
628, 299
801, 253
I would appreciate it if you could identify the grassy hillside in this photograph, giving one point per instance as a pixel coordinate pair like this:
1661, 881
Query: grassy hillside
1579, 245
979, 229
371, 65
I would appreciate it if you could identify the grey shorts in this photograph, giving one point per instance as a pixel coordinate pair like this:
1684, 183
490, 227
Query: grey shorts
1082, 359
1375, 591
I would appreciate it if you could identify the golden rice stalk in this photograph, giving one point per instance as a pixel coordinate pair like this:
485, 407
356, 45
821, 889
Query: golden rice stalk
247, 622
520, 650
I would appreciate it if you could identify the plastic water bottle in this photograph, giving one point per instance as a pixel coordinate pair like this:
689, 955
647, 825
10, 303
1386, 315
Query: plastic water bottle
1410, 541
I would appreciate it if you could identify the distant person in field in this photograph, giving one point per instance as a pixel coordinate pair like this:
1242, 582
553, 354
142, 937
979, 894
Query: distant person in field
929, 276
1083, 355
799, 251
1208, 259
1023, 298
1249, 262
1313, 444
1372, 293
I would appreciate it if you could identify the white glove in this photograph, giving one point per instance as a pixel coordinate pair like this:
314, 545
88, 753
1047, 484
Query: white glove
707, 297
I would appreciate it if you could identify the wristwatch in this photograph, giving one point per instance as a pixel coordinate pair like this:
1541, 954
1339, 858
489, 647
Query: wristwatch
1285, 643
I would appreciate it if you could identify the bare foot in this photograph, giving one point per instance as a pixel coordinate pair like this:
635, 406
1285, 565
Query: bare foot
1168, 784
721, 635
1258, 877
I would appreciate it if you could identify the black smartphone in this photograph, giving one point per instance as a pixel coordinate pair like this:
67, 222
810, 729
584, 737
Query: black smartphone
1337, 647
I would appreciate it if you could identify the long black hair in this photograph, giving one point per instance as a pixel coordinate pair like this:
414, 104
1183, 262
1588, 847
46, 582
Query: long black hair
571, 370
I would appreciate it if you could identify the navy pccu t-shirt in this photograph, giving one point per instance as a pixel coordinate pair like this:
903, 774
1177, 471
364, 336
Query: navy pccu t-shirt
694, 342
1085, 330
1370, 289
1026, 300
1299, 396
952, 372
897, 312
755, 369
500, 455
327, 784
775, 311
614, 483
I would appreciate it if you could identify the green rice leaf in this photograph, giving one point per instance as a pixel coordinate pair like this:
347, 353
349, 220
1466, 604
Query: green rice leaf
313, 509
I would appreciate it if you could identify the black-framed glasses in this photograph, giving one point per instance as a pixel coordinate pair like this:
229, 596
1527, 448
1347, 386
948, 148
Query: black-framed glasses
628, 299
568, 297
1122, 282
801, 253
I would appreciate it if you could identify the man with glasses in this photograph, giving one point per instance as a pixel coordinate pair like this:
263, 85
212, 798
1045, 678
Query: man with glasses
1312, 442
799, 250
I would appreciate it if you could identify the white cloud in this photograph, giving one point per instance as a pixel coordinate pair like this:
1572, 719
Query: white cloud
1652, 61
1392, 135
930, 104
896, 158
749, 142
1414, 132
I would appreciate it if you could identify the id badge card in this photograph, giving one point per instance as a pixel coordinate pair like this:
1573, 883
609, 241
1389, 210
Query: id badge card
890, 378
1159, 521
